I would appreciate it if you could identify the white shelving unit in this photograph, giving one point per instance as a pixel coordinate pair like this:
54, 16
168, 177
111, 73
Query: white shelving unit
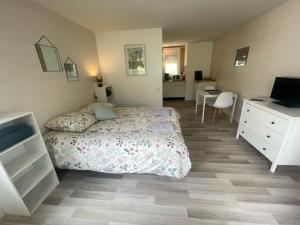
27, 175
104, 93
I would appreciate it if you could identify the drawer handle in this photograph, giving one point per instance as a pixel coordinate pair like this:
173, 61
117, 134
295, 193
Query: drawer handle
245, 121
268, 136
272, 122
264, 149
248, 110
243, 132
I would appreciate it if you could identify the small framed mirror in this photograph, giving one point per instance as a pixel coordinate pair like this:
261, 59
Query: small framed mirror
48, 55
71, 69
241, 57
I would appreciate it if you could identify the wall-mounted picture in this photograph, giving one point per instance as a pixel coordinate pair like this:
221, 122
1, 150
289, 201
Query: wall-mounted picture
135, 57
241, 57
48, 55
71, 70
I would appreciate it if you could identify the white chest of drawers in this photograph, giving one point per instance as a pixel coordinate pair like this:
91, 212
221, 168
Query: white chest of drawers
273, 130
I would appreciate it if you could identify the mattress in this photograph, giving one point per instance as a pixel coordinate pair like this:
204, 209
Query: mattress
140, 140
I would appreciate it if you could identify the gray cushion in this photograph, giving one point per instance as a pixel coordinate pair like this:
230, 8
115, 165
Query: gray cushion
103, 112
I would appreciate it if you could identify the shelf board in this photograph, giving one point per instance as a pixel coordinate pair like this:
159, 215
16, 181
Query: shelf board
46, 194
25, 184
22, 162
6, 151
7, 117
41, 192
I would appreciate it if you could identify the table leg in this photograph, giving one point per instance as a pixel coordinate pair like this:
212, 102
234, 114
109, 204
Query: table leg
273, 167
203, 108
233, 109
196, 109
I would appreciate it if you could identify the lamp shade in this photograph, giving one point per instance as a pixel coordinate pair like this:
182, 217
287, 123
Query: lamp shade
99, 78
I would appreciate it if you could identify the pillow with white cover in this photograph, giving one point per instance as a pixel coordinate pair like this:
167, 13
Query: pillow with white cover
74, 122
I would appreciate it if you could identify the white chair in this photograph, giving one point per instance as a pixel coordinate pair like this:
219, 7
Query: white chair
209, 88
224, 100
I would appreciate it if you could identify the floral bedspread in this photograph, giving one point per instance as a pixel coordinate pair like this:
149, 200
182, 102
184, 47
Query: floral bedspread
123, 145
164, 112
136, 124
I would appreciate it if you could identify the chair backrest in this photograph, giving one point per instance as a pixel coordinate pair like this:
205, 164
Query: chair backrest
209, 88
224, 100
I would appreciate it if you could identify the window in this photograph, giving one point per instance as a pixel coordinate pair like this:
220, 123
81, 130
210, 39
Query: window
172, 60
171, 64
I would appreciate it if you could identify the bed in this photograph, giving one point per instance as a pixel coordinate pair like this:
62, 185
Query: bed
140, 140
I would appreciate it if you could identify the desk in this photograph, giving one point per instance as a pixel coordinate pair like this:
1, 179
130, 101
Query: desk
201, 84
205, 95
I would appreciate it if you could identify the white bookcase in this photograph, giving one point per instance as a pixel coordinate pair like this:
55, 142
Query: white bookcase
27, 175
104, 93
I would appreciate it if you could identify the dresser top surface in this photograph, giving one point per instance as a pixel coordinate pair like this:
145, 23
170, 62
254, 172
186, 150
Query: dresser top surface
268, 104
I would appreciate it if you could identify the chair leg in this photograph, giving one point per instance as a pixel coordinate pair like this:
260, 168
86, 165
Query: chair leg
214, 115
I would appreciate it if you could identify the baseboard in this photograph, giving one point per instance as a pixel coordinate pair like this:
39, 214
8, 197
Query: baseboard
174, 98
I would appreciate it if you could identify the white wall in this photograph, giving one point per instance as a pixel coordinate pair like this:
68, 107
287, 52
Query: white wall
23, 84
274, 50
199, 56
132, 90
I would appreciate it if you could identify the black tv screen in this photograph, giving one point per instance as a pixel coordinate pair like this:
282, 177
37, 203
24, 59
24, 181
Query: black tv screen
287, 91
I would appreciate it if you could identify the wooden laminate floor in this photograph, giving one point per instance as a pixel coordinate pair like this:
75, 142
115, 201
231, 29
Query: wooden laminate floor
229, 183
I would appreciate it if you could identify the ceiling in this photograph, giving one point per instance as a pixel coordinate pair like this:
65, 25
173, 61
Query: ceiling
181, 20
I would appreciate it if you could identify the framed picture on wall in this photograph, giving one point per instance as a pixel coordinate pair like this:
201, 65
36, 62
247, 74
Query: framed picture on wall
135, 57
48, 55
71, 70
241, 57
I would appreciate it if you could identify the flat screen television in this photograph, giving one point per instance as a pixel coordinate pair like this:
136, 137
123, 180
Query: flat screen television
286, 91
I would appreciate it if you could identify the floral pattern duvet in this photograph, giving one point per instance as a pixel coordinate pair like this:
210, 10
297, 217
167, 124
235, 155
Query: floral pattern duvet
128, 144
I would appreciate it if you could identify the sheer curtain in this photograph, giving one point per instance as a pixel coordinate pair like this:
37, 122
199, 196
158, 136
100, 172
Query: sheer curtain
171, 64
